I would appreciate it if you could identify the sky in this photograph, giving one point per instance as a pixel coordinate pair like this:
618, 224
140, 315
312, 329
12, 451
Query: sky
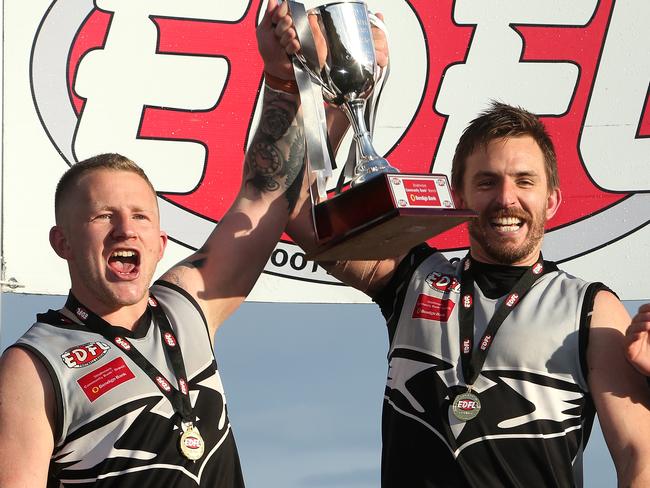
304, 385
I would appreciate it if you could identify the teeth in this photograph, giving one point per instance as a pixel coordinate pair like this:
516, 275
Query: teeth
509, 228
123, 254
508, 221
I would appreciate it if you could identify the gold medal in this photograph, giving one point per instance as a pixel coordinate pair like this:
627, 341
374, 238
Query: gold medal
191, 443
466, 406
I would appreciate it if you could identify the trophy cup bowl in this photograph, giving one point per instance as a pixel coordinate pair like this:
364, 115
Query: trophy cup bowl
348, 76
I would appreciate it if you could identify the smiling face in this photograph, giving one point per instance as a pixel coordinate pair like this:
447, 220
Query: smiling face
506, 183
109, 233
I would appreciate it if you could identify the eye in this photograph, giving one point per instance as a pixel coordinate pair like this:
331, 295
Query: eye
485, 184
103, 216
525, 182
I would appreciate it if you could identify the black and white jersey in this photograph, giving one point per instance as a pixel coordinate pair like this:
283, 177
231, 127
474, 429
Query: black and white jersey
114, 427
536, 411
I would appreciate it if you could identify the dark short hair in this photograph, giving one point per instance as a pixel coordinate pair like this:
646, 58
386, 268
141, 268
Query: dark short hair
502, 120
109, 161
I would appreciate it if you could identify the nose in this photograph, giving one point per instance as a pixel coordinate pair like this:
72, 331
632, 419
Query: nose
507, 193
123, 228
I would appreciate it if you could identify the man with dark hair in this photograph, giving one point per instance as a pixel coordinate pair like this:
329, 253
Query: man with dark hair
463, 405
120, 386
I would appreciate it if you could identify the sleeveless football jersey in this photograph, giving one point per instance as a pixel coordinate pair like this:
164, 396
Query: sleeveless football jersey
536, 412
114, 427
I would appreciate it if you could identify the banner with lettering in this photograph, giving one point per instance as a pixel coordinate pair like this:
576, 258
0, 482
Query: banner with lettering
175, 86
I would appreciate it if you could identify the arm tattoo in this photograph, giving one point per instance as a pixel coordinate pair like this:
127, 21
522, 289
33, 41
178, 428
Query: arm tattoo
274, 160
196, 260
197, 263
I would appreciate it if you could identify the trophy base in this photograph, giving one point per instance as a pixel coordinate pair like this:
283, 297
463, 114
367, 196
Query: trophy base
384, 217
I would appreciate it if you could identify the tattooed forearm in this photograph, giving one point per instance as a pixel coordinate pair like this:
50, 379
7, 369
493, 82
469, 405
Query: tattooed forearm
293, 192
275, 158
264, 162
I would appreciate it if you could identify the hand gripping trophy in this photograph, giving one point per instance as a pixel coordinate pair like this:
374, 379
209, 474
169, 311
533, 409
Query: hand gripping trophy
384, 213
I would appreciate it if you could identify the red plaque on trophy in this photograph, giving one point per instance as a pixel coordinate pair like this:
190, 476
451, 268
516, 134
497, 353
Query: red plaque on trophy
385, 217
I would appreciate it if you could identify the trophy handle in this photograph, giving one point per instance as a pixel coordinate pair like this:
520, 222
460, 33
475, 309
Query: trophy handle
307, 66
307, 56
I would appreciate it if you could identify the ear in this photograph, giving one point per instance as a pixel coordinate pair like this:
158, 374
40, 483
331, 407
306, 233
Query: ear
163, 244
59, 242
553, 202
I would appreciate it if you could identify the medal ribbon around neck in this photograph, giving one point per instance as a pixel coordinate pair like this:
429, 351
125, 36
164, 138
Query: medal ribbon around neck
179, 398
472, 361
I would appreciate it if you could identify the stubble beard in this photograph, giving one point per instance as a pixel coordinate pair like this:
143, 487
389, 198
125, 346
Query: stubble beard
502, 251
110, 296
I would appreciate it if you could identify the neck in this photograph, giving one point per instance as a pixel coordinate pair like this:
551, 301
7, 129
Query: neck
479, 255
126, 316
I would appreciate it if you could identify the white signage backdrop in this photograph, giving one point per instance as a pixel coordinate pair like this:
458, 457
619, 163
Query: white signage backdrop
83, 78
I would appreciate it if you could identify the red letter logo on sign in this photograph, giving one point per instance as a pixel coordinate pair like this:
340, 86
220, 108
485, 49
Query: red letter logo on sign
203, 64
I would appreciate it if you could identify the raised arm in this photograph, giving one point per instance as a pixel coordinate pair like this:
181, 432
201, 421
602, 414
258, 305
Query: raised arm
221, 274
367, 276
620, 393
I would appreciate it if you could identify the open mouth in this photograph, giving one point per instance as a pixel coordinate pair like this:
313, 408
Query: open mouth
506, 224
124, 263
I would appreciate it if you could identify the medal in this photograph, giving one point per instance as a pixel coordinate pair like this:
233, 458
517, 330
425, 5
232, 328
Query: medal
466, 406
191, 443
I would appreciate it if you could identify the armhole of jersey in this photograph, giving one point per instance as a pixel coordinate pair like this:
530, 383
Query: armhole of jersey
589, 416
585, 323
58, 396
391, 298
190, 299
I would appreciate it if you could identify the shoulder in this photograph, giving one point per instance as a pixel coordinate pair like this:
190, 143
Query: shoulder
422, 259
608, 311
25, 384
16, 360
178, 303
26, 413
601, 306
608, 322
552, 270
171, 294
570, 285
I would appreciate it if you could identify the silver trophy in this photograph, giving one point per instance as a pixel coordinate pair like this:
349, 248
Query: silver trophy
349, 74
385, 213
